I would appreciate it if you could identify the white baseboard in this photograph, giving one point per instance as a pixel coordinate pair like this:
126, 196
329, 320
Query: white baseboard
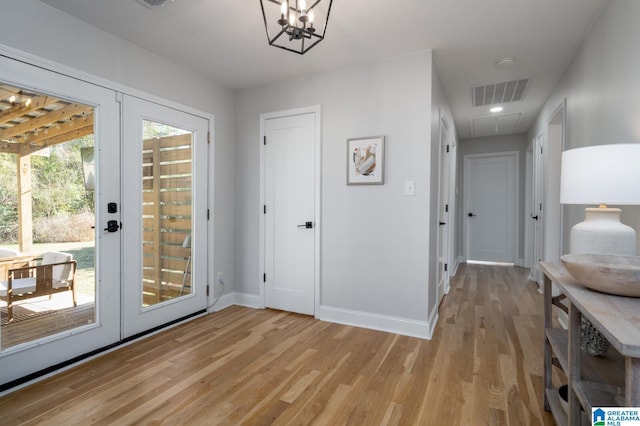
248, 300
404, 326
433, 320
454, 267
225, 301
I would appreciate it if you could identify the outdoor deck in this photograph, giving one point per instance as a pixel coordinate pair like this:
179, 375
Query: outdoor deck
42, 318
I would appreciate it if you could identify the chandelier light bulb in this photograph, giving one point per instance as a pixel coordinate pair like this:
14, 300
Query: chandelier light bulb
283, 8
303, 7
292, 18
310, 14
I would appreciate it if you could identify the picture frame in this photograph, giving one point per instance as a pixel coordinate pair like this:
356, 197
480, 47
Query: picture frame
365, 161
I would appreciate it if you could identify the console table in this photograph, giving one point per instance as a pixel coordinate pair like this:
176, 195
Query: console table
612, 380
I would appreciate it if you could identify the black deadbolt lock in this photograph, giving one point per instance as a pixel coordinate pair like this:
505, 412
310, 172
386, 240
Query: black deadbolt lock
112, 226
112, 207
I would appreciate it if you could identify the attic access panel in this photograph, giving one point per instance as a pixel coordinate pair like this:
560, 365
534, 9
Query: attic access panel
495, 125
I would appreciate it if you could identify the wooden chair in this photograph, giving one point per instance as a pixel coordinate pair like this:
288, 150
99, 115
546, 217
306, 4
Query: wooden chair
55, 274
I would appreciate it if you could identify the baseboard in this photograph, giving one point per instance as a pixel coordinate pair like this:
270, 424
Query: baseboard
404, 326
225, 301
520, 262
454, 267
248, 300
433, 320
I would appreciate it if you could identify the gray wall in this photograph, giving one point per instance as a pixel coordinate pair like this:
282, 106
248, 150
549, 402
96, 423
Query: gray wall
505, 143
602, 92
375, 240
38, 29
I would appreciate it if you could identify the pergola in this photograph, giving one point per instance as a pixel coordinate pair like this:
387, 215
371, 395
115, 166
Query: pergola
29, 122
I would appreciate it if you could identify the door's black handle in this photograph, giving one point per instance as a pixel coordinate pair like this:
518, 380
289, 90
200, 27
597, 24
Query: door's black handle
113, 226
471, 215
534, 217
442, 223
306, 225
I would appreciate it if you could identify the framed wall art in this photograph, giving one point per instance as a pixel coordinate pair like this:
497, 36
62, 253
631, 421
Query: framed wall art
365, 161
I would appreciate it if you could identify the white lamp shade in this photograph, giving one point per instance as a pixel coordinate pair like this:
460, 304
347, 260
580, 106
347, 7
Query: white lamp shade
601, 174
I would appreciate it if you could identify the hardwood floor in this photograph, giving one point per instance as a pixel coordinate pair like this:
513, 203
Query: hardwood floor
261, 367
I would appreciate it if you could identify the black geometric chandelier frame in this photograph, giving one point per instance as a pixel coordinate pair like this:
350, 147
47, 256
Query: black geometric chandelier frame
295, 25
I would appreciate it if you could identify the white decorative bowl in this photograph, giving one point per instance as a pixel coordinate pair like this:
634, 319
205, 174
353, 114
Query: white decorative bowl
611, 274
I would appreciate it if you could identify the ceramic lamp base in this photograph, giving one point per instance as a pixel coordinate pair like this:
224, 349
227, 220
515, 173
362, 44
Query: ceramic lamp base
603, 233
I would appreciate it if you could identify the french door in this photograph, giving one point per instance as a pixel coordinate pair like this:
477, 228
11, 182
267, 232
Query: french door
53, 122
164, 220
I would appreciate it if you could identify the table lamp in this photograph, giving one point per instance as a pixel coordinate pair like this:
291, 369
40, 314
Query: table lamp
604, 175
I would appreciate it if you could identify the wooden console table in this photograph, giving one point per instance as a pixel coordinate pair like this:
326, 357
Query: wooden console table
612, 380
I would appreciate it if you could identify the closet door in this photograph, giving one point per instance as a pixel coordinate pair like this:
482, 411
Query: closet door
164, 215
60, 147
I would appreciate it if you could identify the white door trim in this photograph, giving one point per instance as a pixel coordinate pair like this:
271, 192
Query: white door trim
317, 110
554, 143
516, 209
444, 162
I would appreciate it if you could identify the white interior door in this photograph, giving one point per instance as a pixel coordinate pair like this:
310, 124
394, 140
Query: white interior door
290, 213
443, 211
490, 189
91, 111
164, 215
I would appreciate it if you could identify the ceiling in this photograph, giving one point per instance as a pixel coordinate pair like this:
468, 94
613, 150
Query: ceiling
226, 41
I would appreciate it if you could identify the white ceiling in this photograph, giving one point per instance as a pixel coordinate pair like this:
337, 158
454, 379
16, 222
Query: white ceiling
226, 40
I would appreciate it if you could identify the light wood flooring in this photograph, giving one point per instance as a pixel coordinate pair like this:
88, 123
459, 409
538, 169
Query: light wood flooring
261, 367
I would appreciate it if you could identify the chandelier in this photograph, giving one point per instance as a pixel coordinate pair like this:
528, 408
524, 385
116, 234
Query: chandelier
293, 26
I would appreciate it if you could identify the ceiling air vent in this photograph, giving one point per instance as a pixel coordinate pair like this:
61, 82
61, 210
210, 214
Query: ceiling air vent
151, 3
498, 93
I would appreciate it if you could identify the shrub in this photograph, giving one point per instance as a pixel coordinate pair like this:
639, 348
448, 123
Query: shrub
64, 228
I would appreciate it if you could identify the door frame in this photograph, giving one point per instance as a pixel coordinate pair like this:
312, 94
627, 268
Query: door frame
554, 142
516, 200
317, 111
536, 242
444, 214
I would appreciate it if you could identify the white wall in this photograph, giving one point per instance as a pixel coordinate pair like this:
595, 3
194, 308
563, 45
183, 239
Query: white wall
504, 143
375, 240
602, 92
38, 29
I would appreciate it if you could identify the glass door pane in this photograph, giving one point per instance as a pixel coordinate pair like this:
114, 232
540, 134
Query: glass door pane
47, 215
166, 212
